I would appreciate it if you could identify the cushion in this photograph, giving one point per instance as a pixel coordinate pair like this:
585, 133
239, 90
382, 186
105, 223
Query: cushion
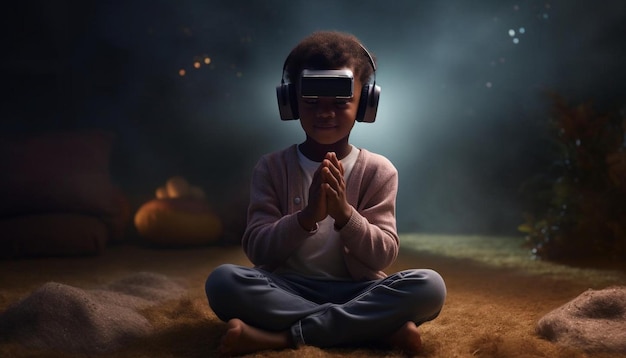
177, 222
52, 234
56, 172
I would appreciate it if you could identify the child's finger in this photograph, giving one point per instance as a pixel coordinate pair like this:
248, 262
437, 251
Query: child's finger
332, 177
332, 157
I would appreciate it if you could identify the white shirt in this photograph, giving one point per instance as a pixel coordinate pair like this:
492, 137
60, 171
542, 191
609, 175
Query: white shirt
321, 254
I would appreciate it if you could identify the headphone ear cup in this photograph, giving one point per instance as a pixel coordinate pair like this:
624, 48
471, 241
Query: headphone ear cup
368, 104
287, 101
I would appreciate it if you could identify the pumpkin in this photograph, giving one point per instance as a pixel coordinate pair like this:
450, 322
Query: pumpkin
177, 222
179, 216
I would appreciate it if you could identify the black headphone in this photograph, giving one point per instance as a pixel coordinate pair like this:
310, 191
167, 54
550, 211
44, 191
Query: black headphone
368, 104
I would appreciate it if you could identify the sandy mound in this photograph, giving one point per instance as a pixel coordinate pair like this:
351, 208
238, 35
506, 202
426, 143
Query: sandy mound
101, 320
593, 321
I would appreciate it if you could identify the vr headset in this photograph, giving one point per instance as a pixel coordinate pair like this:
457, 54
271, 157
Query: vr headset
327, 83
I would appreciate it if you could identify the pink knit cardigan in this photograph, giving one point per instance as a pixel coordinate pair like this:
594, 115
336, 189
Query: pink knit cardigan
370, 238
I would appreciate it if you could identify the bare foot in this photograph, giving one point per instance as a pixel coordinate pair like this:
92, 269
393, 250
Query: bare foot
406, 339
241, 338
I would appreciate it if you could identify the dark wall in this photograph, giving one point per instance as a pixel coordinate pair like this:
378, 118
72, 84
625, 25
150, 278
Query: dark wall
462, 113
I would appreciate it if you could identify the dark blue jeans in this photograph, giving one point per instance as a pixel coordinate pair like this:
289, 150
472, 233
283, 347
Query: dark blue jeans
325, 313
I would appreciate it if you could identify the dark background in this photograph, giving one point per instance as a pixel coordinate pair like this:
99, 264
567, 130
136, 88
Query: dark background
463, 104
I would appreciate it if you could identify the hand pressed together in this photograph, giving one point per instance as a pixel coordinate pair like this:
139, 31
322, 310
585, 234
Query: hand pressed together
327, 195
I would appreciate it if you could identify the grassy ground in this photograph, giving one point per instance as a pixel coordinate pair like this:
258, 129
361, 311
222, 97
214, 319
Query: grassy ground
496, 294
509, 252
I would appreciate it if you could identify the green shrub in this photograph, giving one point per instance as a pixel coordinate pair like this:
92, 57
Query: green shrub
577, 207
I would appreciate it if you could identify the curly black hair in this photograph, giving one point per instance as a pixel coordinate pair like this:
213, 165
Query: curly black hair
329, 50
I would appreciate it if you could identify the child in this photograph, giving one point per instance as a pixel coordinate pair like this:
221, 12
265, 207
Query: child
321, 224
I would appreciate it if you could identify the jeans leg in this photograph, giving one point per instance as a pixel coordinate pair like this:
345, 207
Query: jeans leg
411, 295
257, 298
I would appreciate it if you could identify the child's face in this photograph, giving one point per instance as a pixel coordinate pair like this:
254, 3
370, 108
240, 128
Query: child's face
328, 120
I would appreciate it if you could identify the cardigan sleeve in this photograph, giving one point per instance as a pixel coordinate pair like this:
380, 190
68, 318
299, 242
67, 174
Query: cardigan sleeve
370, 237
272, 234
